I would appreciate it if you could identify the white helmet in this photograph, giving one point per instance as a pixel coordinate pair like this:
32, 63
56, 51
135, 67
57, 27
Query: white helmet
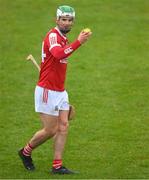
65, 11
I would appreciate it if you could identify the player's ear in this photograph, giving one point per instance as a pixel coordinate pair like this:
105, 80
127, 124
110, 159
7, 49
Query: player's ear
56, 20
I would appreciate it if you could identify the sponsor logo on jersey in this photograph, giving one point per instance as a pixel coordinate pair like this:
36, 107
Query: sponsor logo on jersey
68, 50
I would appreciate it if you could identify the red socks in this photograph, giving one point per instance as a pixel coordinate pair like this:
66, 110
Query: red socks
57, 163
27, 150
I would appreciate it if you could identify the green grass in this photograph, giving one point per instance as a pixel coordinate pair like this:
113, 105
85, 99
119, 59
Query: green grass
108, 82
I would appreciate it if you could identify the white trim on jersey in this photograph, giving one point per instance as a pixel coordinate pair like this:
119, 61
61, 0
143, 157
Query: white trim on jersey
60, 33
53, 40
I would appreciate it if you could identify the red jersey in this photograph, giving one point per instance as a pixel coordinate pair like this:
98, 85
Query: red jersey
55, 50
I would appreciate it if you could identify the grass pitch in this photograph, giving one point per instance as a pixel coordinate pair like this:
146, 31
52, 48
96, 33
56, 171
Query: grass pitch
108, 83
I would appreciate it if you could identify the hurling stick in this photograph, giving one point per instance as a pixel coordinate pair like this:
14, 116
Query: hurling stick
31, 58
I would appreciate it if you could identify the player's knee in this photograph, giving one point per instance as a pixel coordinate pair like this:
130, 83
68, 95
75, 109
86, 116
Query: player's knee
63, 127
49, 132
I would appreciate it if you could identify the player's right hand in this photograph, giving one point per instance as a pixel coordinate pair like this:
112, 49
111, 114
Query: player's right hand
83, 36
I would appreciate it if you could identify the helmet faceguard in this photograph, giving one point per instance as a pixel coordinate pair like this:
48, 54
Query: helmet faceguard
65, 11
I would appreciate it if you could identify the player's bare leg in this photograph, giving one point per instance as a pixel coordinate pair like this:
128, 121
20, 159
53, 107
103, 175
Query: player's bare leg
61, 135
59, 144
49, 129
50, 126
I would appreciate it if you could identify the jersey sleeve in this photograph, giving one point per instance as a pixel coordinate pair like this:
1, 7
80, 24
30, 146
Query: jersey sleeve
58, 51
